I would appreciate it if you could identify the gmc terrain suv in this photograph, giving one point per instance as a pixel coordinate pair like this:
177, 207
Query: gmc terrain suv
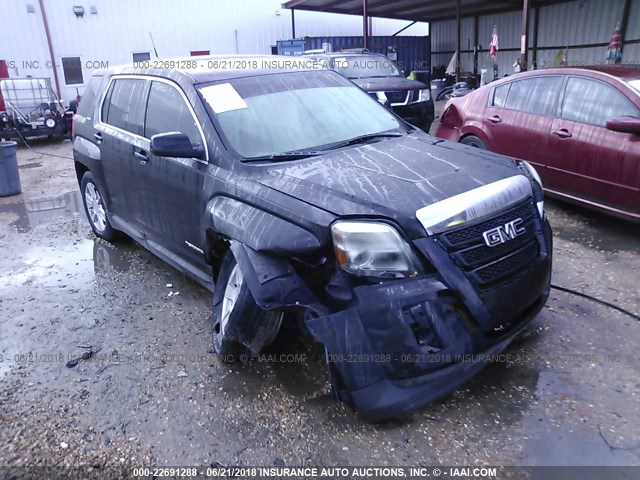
294, 196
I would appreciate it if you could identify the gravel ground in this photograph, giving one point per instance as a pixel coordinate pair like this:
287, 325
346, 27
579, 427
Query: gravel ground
149, 391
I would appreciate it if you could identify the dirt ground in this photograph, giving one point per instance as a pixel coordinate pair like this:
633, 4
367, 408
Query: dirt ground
153, 393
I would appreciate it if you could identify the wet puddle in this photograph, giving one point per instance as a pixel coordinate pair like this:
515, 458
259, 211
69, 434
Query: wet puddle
68, 263
32, 213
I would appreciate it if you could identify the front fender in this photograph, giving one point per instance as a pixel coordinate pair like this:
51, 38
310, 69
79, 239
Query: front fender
272, 281
257, 229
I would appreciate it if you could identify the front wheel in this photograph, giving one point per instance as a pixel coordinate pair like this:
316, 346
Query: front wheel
94, 207
240, 327
474, 141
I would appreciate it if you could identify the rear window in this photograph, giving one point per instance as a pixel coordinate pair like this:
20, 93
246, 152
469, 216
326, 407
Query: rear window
124, 106
88, 100
365, 66
500, 95
534, 95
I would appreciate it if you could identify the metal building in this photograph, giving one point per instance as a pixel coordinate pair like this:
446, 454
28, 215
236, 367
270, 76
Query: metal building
83, 35
579, 30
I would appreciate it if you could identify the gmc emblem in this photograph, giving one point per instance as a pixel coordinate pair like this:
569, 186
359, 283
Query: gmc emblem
503, 233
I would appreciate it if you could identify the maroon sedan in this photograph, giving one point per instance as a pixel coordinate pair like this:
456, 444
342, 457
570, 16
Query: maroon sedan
579, 127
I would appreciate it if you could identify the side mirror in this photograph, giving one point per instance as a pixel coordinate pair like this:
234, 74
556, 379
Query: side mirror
624, 124
174, 144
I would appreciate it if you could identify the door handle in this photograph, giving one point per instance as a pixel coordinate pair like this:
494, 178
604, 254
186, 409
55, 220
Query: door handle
495, 119
142, 156
98, 136
562, 133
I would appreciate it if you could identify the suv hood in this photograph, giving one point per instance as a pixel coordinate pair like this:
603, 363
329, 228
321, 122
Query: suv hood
387, 84
392, 178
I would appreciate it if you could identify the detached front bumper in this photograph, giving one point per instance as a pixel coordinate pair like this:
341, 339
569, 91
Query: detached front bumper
403, 344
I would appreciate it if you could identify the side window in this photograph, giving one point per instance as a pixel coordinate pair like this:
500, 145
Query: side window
500, 95
88, 100
104, 113
594, 102
534, 95
126, 105
168, 112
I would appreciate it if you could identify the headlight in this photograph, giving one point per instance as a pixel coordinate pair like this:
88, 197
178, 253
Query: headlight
536, 177
373, 249
424, 95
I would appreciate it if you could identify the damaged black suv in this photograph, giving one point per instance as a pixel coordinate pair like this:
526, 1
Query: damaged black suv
301, 198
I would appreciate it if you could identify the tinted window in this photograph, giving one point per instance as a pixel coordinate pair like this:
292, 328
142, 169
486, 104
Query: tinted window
534, 95
168, 112
105, 106
72, 69
593, 102
500, 95
365, 66
88, 100
126, 105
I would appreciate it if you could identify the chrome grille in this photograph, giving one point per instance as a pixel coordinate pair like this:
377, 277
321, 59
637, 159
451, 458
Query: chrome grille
488, 266
397, 97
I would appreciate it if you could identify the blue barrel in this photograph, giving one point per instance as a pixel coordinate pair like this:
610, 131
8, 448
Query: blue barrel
9, 174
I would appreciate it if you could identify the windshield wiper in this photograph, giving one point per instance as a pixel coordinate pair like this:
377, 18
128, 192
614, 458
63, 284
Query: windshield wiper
283, 157
363, 139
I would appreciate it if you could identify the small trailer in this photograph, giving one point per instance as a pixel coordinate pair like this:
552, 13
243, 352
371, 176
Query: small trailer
29, 107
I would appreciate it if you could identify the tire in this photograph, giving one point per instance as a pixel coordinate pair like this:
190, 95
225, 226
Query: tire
240, 327
474, 141
95, 208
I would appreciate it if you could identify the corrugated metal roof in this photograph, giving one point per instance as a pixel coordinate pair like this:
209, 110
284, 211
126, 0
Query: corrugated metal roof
421, 10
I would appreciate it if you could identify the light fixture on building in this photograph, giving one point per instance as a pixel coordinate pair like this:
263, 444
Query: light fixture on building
93, 10
78, 10
31, 8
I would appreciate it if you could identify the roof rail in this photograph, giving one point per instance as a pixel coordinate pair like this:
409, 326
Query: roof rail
356, 50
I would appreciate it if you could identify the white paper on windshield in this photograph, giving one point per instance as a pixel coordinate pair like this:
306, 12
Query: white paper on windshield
223, 98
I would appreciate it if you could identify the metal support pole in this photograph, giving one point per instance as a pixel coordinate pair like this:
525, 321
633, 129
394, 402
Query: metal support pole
524, 40
624, 24
458, 33
293, 23
536, 22
404, 28
365, 24
51, 55
476, 40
